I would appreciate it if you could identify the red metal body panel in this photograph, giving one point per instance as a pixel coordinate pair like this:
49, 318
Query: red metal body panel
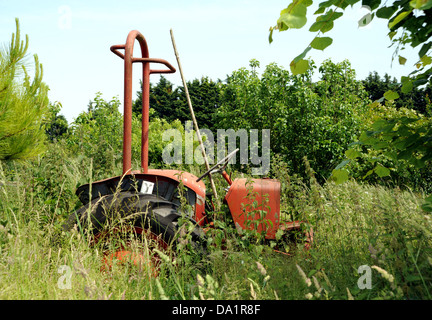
189, 180
245, 202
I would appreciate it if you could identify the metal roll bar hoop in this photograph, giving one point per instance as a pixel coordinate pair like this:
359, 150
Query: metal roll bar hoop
128, 61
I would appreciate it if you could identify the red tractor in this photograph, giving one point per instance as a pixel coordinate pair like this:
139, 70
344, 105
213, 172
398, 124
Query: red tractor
150, 199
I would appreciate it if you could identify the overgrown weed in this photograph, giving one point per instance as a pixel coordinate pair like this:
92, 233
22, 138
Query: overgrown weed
354, 225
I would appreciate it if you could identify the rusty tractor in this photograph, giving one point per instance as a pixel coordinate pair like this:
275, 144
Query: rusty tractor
150, 198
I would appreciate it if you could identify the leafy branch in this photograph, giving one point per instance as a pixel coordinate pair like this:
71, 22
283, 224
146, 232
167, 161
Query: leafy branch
392, 138
294, 16
412, 17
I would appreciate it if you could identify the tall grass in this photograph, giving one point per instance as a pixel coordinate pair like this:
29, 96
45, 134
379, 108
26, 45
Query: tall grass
354, 225
361, 225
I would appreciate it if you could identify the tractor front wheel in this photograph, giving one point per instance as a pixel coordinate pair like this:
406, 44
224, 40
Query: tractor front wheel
144, 215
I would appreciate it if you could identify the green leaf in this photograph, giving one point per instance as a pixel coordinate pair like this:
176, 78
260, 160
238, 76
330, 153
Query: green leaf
372, 4
379, 125
324, 22
407, 120
342, 164
391, 95
412, 139
320, 10
425, 48
315, 27
327, 4
399, 18
373, 159
420, 82
421, 4
382, 171
392, 34
368, 173
399, 144
279, 234
270, 39
380, 145
302, 55
407, 87
320, 43
352, 154
365, 20
418, 163
386, 12
299, 67
294, 16
402, 60
339, 175
426, 60
366, 138
335, 15
390, 154
404, 155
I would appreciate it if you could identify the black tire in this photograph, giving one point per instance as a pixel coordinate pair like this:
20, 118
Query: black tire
142, 210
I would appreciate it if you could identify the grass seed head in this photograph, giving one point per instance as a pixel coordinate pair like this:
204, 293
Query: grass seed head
200, 280
261, 268
303, 275
385, 275
350, 297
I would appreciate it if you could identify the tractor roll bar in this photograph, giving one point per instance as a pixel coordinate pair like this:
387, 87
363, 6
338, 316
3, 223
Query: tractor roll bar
127, 125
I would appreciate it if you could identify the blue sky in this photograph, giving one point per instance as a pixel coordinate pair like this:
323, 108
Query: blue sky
213, 38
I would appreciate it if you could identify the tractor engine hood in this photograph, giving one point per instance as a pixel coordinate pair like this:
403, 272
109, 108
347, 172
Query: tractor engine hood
255, 204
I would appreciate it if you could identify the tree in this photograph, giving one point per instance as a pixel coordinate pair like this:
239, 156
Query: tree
316, 120
376, 86
417, 99
97, 134
163, 100
205, 98
170, 103
23, 102
56, 124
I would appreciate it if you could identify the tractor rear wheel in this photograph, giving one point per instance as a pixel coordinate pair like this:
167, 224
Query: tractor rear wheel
158, 217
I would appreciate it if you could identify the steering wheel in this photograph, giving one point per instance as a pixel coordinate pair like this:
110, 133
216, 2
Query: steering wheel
220, 166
